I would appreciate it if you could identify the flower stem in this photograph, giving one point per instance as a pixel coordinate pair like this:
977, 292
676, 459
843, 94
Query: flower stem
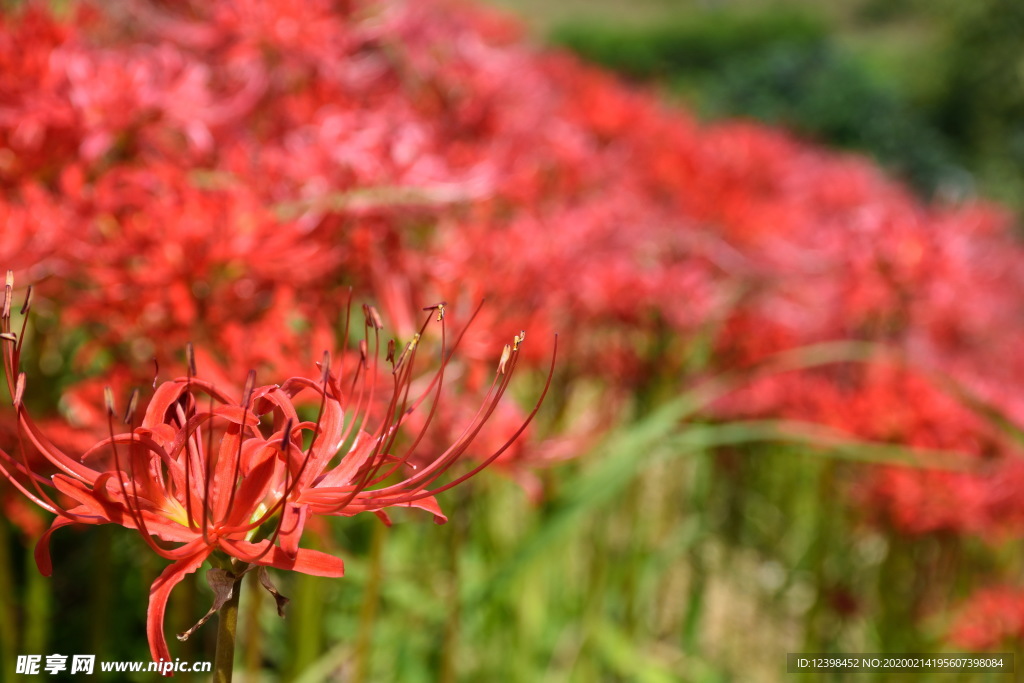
227, 629
253, 653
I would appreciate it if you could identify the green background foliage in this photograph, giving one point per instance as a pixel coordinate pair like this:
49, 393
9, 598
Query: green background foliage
934, 91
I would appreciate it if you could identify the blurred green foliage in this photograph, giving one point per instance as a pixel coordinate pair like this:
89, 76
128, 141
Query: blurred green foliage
982, 105
823, 94
952, 126
692, 47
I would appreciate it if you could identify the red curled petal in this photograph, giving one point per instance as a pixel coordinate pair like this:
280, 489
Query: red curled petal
293, 521
169, 392
238, 415
312, 562
430, 505
42, 552
160, 591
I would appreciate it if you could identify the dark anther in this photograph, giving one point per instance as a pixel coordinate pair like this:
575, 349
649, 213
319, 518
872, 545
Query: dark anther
250, 386
28, 301
133, 402
325, 368
286, 440
190, 357
373, 317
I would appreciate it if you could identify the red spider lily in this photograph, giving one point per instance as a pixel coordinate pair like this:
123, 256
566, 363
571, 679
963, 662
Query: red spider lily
203, 476
990, 618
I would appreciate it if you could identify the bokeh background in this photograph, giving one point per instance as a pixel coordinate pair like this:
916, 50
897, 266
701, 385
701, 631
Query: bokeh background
779, 242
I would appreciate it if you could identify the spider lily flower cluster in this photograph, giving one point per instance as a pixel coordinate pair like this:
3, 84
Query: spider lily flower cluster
204, 475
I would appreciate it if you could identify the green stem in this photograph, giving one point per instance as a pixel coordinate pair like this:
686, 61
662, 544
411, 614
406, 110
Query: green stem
368, 611
701, 496
253, 636
817, 629
227, 629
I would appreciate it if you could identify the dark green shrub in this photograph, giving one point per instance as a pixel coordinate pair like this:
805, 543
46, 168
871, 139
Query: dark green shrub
823, 94
982, 107
781, 67
695, 44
